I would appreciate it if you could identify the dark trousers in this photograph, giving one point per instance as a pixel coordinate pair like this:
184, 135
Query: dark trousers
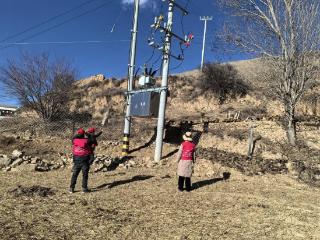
91, 159
183, 180
78, 165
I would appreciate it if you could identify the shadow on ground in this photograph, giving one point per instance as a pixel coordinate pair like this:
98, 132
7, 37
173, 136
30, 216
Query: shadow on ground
203, 183
151, 140
121, 182
170, 154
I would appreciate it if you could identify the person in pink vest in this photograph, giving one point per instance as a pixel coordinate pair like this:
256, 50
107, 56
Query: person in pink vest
186, 159
81, 150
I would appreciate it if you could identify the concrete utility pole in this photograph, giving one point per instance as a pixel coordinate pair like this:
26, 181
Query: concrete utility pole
131, 69
205, 19
164, 83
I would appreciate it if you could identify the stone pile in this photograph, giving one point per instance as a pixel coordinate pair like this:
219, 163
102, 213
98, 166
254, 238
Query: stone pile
18, 161
107, 163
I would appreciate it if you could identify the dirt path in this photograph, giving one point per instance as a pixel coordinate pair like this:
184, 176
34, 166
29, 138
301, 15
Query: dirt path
144, 204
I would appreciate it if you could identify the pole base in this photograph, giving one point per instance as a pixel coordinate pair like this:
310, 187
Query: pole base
125, 145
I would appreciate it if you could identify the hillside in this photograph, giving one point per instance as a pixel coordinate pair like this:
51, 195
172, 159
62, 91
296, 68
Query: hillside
273, 195
96, 94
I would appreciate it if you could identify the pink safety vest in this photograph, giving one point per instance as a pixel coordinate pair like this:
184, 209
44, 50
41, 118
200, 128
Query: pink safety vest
80, 147
187, 150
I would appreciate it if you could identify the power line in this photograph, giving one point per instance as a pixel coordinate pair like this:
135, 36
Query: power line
62, 23
194, 6
65, 42
47, 21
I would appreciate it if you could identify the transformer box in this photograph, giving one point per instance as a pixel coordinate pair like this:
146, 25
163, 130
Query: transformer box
145, 104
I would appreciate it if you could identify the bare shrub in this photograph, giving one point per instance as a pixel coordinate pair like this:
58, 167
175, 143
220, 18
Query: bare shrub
239, 134
110, 92
312, 99
256, 112
39, 84
92, 84
223, 81
117, 83
218, 132
82, 103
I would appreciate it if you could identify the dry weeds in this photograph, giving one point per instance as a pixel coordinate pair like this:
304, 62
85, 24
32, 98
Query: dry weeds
144, 204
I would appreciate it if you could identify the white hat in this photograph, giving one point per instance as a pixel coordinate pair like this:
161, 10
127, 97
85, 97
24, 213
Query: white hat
187, 136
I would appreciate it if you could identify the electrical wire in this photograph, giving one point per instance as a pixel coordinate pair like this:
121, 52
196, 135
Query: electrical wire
65, 42
62, 23
182, 54
149, 59
198, 11
176, 67
116, 21
156, 61
182, 17
47, 21
152, 36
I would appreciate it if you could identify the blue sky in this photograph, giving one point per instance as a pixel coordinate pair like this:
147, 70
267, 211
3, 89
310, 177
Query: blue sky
80, 31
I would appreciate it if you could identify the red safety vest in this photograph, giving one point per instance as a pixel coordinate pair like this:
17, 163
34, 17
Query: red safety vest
187, 150
80, 147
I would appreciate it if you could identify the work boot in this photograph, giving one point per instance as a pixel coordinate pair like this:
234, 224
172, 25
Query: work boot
85, 190
71, 190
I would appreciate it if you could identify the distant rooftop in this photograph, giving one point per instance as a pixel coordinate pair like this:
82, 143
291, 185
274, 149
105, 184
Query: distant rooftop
8, 106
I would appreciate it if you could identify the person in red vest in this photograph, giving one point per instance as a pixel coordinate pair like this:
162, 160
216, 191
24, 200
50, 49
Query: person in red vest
186, 159
92, 136
81, 150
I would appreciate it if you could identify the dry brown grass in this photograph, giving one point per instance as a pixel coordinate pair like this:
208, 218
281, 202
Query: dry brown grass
144, 204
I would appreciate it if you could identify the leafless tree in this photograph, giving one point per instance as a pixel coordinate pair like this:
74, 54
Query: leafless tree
223, 81
287, 34
39, 84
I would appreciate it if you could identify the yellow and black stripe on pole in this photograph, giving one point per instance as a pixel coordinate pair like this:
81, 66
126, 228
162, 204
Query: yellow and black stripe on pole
125, 145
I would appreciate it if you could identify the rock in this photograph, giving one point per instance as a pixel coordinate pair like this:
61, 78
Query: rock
16, 162
16, 154
26, 168
316, 177
35, 160
54, 167
99, 167
210, 174
292, 169
107, 163
132, 163
7, 169
5, 161
42, 167
26, 158
45, 161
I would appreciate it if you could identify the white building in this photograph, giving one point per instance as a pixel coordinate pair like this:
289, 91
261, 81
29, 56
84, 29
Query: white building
7, 111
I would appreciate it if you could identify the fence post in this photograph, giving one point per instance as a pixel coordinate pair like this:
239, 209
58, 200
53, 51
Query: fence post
250, 144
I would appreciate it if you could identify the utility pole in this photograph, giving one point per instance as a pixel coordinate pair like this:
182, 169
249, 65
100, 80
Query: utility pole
205, 19
131, 69
165, 72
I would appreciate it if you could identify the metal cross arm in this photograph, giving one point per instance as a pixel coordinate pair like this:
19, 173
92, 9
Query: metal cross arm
185, 12
159, 89
167, 30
